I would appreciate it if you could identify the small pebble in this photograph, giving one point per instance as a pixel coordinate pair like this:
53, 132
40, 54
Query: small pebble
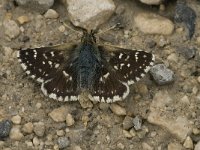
132, 132
197, 146
28, 128
146, 146
39, 128
63, 142
174, 146
15, 133
198, 40
173, 58
23, 19
151, 2
150, 23
61, 28
38, 105
69, 120
59, 114
185, 100
60, 132
137, 121
120, 146
5, 127
142, 133
36, 141
188, 143
163, 42
29, 143
104, 106
153, 134
127, 123
76, 148
2, 143
187, 52
51, 14
16, 119
127, 134
195, 131
118, 110
161, 74
11, 29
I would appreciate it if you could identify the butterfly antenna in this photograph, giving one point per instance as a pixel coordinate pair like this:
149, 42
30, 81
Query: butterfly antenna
108, 29
70, 28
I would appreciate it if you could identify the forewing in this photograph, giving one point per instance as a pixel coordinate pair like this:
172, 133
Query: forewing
51, 66
39, 63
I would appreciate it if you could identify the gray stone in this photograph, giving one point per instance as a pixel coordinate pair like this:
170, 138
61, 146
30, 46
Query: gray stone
137, 121
5, 127
39, 128
95, 12
127, 123
11, 28
36, 5
150, 23
63, 142
187, 52
176, 125
161, 74
186, 15
151, 2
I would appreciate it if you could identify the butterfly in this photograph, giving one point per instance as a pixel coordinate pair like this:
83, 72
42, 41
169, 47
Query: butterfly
67, 70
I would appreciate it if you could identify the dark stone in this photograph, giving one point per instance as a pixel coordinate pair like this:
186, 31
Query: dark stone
187, 52
5, 127
150, 43
186, 15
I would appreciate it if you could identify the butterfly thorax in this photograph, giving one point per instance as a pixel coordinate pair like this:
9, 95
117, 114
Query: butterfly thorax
88, 63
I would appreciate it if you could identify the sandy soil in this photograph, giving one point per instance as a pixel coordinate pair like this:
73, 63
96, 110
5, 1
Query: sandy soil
21, 96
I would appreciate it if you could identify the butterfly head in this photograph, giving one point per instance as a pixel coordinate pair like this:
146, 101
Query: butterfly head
89, 37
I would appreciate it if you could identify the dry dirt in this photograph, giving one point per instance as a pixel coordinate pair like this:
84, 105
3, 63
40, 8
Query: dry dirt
19, 95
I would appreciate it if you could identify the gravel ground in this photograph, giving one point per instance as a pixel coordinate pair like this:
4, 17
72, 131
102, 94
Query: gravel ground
161, 113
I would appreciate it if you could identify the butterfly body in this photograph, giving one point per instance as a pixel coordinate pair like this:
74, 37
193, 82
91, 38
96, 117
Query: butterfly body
65, 71
88, 65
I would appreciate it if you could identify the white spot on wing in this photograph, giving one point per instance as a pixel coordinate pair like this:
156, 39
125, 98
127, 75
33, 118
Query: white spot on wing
120, 56
65, 74
53, 96
57, 65
127, 90
52, 54
106, 75
24, 66
130, 82
40, 80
